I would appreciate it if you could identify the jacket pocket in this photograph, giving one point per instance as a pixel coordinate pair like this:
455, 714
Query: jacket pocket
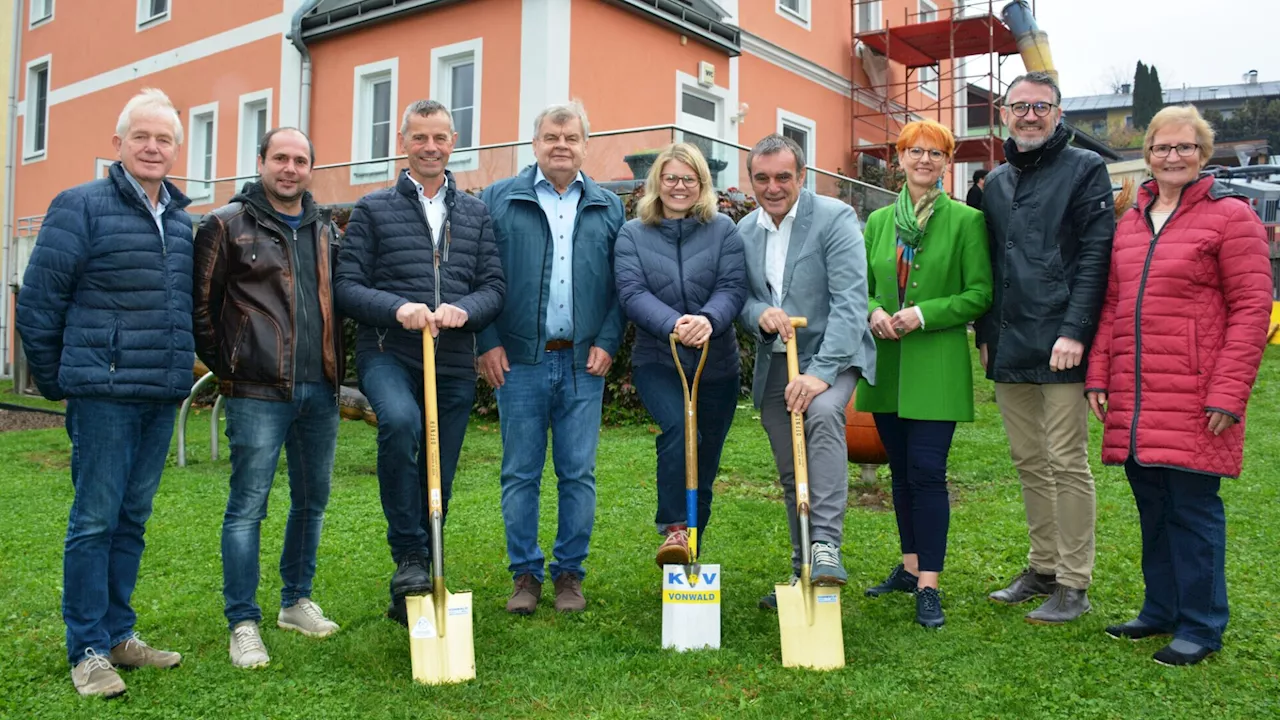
235, 346
113, 350
1193, 346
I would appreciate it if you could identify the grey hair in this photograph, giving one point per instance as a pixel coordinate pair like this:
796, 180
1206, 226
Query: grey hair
424, 108
149, 100
1036, 77
561, 114
775, 143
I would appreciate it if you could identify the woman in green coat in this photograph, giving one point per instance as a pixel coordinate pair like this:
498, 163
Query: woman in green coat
928, 277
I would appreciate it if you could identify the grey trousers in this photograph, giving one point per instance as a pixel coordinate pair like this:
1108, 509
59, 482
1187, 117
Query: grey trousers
828, 454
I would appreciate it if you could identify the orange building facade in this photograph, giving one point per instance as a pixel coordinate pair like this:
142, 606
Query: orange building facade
729, 71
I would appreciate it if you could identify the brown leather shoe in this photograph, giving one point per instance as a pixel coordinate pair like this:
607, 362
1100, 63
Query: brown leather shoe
524, 597
675, 548
569, 598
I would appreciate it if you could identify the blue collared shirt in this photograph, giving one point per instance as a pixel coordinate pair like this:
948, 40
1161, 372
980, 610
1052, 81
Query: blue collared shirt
561, 210
157, 210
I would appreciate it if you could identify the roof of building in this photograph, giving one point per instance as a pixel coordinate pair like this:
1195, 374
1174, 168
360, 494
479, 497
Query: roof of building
1175, 96
699, 19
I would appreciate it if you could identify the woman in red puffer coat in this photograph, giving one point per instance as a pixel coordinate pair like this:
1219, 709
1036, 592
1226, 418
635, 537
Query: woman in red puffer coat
1179, 342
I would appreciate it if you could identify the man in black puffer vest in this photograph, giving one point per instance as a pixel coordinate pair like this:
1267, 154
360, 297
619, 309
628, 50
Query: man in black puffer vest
418, 257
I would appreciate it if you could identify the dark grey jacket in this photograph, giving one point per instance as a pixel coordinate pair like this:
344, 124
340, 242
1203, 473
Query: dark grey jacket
682, 267
1050, 221
388, 259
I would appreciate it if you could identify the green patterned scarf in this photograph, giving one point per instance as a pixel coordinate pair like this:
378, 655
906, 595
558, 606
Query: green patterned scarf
910, 218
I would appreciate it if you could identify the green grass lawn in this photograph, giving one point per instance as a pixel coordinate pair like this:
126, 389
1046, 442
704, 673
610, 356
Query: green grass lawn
987, 662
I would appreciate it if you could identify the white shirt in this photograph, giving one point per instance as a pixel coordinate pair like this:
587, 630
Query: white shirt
433, 207
777, 240
1158, 219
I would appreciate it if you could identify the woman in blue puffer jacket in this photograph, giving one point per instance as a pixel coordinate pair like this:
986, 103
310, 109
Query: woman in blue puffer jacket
679, 269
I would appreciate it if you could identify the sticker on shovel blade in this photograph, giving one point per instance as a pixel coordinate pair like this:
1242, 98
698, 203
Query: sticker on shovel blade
424, 628
833, 598
454, 611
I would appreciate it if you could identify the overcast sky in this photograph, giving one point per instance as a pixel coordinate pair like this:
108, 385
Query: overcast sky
1191, 42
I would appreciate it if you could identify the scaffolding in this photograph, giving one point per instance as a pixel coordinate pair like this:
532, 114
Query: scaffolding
931, 38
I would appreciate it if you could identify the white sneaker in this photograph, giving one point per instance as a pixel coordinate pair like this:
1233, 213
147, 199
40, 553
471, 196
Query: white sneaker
247, 650
307, 618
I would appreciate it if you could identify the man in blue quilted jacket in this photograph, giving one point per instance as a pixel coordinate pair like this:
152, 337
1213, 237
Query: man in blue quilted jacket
418, 257
105, 318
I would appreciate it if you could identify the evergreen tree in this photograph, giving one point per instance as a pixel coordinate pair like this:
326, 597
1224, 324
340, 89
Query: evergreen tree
1145, 101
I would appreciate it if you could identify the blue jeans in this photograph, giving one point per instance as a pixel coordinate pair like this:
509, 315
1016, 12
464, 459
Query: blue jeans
118, 451
307, 428
1184, 552
395, 391
662, 395
918, 452
534, 398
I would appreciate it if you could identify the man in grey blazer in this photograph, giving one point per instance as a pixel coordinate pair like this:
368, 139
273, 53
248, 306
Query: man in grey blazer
806, 258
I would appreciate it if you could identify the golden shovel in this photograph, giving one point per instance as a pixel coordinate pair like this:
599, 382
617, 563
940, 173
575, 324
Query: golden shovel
809, 620
441, 642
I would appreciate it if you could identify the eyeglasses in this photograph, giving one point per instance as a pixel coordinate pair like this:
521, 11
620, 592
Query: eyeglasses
690, 181
915, 153
1183, 150
1041, 108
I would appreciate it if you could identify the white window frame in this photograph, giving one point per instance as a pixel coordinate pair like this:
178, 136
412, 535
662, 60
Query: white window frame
930, 83
726, 132
146, 20
361, 137
810, 129
876, 19
35, 22
802, 16
100, 167
443, 60
247, 145
29, 153
201, 192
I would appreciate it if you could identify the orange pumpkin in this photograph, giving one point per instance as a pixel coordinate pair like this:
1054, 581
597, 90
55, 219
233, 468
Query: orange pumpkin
860, 433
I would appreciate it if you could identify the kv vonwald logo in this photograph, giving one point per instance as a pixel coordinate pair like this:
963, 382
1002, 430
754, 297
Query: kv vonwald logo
699, 590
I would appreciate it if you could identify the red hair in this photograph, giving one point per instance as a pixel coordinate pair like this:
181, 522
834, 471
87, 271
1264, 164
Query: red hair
927, 131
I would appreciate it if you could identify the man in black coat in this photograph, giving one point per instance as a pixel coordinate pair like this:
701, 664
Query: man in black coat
418, 257
1050, 222
974, 198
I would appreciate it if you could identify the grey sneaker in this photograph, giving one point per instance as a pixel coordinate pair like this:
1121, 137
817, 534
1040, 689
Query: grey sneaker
307, 618
95, 677
827, 568
247, 650
134, 653
1064, 605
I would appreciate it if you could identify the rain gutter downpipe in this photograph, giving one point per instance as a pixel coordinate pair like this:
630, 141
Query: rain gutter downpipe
10, 256
304, 95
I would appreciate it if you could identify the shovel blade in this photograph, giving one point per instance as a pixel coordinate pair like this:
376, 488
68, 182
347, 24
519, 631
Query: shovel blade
441, 657
691, 608
810, 626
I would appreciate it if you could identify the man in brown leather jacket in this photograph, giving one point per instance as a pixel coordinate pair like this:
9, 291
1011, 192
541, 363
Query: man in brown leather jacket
265, 323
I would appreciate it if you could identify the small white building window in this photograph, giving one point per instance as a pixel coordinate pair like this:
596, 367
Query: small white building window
35, 135
868, 15
255, 121
41, 12
373, 124
455, 81
928, 75
804, 132
152, 12
797, 11
202, 152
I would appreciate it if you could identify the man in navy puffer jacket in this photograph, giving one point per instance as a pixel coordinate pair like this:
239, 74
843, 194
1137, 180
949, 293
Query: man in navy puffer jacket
418, 257
105, 318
